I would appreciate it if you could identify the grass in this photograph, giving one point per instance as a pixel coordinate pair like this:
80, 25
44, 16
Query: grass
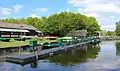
13, 42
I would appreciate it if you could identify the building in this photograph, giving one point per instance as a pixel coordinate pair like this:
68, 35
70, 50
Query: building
17, 30
78, 33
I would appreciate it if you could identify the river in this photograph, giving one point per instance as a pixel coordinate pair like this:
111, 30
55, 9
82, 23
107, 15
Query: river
103, 57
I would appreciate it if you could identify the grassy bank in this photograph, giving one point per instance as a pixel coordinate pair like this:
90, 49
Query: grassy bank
13, 42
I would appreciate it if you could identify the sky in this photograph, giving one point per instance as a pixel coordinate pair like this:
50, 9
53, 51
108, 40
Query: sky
107, 12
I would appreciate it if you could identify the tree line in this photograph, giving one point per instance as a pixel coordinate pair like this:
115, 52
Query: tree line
117, 28
60, 24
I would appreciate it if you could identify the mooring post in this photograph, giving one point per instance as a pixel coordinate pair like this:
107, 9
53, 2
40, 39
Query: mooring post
36, 53
34, 64
86, 48
60, 43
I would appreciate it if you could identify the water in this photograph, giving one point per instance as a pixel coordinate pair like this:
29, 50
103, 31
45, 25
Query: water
105, 57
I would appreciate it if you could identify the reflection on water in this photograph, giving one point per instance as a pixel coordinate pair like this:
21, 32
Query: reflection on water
34, 64
118, 48
12, 51
106, 57
74, 57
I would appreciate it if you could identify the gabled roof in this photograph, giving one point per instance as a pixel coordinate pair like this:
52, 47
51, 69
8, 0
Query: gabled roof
78, 33
16, 26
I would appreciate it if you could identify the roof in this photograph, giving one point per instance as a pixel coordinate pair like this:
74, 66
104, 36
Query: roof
16, 26
13, 30
78, 33
39, 31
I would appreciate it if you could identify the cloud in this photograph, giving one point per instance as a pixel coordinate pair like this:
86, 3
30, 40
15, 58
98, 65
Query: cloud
92, 14
37, 10
68, 9
96, 6
78, 3
34, 15
109, 27
17, 8
112, 17
103, 10
5, 11
9, 11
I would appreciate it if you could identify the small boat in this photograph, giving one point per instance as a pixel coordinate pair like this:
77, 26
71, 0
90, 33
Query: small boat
4, 39
48, 45
20, 39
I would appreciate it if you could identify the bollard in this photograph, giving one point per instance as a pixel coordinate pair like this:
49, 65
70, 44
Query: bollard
36, 54
32, 45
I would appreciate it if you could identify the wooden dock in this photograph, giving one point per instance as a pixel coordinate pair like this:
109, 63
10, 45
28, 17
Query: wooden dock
25, 58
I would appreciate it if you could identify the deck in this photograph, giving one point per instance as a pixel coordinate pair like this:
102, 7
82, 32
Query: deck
25, 58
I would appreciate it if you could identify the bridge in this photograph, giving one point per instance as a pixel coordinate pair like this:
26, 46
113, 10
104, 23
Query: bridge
109, 37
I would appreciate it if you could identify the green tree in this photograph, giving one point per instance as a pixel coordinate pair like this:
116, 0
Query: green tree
117, 28
92, 25
110, 33
36, 22
60, 24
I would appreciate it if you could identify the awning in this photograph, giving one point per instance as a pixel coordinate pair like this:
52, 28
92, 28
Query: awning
13, 30
38, 31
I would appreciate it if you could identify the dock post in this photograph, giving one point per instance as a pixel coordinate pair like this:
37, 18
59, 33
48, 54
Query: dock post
34, 64
60, 43
86, 48
36, 53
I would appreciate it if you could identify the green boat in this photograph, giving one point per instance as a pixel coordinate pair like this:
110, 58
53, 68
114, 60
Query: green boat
61, 42
4, 39
69, 40
20, 39
48, 45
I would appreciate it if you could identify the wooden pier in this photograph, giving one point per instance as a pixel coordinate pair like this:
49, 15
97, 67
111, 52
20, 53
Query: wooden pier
25, 58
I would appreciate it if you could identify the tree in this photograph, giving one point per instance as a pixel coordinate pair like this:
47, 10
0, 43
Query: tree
92, 25
36, 22
110, 33
60, 24
117, 28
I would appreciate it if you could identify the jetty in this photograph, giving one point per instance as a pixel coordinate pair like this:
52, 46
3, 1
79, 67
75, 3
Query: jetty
25, 58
